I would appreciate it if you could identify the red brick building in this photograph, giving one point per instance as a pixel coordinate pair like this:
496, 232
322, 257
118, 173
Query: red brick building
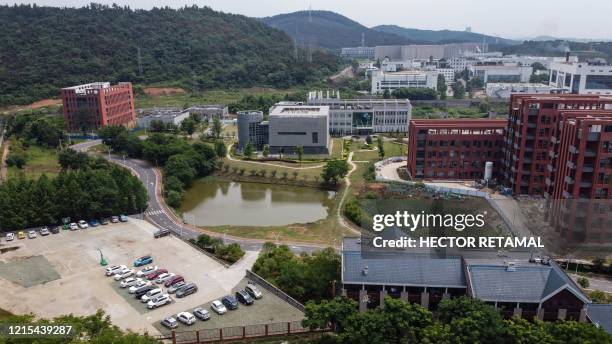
531, 141
455, 148
95, 105
580, 196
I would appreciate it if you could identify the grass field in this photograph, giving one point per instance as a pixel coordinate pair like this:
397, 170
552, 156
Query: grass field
39, 160
206, 97
391, 149
309, 173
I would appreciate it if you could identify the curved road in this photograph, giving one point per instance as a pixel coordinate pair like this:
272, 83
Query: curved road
158, 214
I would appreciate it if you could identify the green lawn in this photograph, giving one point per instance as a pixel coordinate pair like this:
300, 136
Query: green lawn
206, 97
39, 160
309, 173
391, 149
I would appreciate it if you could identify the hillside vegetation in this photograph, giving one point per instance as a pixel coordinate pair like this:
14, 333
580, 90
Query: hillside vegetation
329, 30
45, 48
441, 36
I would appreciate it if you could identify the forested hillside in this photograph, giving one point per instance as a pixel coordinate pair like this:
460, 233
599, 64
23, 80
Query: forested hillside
442, 36
45, 48
330, 30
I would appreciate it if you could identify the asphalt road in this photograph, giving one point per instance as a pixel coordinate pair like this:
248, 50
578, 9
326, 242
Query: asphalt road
160, 217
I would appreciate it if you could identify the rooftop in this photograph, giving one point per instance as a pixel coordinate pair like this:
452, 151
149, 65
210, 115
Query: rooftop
299, 111
601, 315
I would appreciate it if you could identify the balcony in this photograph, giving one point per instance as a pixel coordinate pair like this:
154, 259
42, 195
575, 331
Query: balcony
569, 180
571, 165
550, 168
553, 140
552, 154
572, 149
547, 181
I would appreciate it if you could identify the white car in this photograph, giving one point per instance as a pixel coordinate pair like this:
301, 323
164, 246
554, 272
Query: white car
74, 226
146, 271
164, 277
31, 235
44, 231
150, 294
114, 269
139, 285
158, 301
218, 307
83, 224
124, 274
10, 236
130, 281
186, 318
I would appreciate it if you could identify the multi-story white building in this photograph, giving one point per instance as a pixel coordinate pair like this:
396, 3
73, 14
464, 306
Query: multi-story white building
581, 77
459, 64
449, 74
510, 73
382, 81
358, 52
299, 125
363, 116
504, 90
422, 51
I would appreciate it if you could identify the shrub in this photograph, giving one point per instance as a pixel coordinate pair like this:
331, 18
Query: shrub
583, 281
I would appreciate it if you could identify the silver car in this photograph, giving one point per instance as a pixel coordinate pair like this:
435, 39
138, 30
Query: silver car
176, 286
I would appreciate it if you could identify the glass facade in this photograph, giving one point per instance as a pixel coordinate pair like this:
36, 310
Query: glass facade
598, 82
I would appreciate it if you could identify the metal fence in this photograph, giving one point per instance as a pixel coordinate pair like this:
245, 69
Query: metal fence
274, 290
238, 333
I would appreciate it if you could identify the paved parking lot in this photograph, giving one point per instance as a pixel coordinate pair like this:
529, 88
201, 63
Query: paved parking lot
83, 288
269, 309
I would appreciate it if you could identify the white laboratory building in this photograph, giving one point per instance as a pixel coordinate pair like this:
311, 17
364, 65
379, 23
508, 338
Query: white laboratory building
581, 77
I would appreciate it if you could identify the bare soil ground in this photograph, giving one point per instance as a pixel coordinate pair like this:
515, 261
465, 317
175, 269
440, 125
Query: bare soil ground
163, 91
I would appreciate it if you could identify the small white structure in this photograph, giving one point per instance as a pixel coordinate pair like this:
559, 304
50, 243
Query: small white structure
382, 81
488, 172
504, 90
164, 116
508, 73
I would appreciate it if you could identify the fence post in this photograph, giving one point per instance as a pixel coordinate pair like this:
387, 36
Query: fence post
173, 337
288, 327
266, 330
243, 331
198, 337
220, 334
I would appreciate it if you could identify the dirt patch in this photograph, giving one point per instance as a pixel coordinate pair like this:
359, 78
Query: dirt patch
163, 91
28, 271
35, 105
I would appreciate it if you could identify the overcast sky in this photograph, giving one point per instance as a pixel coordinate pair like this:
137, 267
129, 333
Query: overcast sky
512, 19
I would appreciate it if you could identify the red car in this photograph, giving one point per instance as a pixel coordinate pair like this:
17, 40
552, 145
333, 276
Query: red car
157, 272
173, 281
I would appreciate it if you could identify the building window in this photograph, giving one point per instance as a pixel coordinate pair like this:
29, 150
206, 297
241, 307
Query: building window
599, 82
291, 133
315, 137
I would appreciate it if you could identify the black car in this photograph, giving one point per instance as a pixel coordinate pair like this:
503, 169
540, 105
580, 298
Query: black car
54, 229
230, 302
161, 233
244, 297
187, 290
142, 290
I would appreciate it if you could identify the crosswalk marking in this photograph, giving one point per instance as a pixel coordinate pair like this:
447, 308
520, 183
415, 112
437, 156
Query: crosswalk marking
154, 212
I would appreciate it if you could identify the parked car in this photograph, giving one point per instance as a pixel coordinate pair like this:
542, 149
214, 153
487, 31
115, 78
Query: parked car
253, 291
161, 233
142, 291
187, 290
144, 260
158, 301
83, 224
170, 323
94, 223
230, 302
115, 219
244, 297
175, 287
140, 284
149, 295
147, 271
130, 281
186, 318
156, 274
114, 269
104, 221
201, 314
44, 231
31, 234
21, 235
172, 281
54, 229
124, 274
123, 218
164, 277
218, 307
73, 226
10, 236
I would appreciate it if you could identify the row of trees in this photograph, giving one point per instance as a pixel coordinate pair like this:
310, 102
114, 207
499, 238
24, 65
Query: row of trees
230, 253
457, 321
85, 188
43, 130
305, 277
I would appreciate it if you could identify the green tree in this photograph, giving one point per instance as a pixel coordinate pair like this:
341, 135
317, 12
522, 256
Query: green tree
299, 150
441, 86
583, 281
458, 90
521, 331
266, 150
332, 313
69, 158
248, 150
368, 139
334, 170
217, 128
180, 167
188, 125
471, 320
386, 94
220, 149
381, 147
